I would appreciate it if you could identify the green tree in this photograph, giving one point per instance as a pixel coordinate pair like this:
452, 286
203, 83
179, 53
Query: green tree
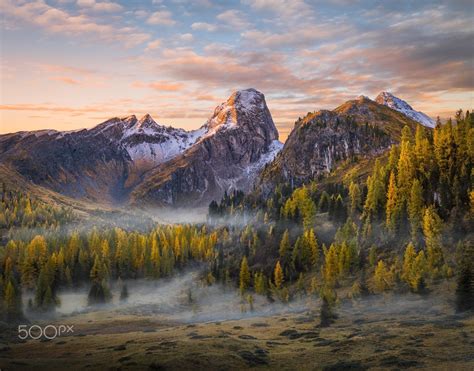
415, 209
285, 246
392, 206
432, 228
355, 198
244, 275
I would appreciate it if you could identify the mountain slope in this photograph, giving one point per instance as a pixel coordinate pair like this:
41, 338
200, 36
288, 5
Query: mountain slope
240, 139
389, 100
322, 140
107, 162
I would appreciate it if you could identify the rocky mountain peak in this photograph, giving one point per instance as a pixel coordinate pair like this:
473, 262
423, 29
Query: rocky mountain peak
390, 100
146, 122
239, 109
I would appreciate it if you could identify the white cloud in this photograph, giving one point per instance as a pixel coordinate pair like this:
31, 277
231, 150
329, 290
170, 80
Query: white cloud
162, 17
55, 20
187, 37
104, 6
284, 8
234, 18
203, 26
140, 13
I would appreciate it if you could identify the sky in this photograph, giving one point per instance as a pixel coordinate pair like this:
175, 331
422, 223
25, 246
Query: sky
69, 64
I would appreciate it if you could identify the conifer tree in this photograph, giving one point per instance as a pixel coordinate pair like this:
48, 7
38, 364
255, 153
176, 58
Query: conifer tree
328, 302
405, 174
244, 275
355, 198
391, 209
312, 244
465, 278
408, 263
12, 301
278, 275
124, 292
331, 266
432, 228
285, 246
382, 279
259, 283
415, 209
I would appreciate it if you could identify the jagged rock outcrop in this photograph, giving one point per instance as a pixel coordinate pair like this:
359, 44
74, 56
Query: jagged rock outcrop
240, 138
322, 140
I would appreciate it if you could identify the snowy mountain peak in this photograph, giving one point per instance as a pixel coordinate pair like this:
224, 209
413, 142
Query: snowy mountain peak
390, 100
146, 121
227, 115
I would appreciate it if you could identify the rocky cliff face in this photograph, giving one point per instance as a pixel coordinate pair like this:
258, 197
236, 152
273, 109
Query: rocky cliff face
240, 138
159, 164
322, 140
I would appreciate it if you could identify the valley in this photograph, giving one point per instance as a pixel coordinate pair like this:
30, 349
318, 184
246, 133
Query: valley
350, 246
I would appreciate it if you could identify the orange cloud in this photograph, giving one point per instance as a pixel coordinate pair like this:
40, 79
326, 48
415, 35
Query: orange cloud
159, 85
66, 80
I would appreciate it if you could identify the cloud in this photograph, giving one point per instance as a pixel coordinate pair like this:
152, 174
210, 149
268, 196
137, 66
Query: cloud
59, 21
159, 85
187, 37
162, 17
305, 36
234, 18
287, 9
152, 45
104, 6
48, 108
65, 79
203, 26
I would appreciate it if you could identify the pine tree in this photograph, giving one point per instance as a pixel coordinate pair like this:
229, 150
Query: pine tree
278, 275
355, 198
415, 209
12, 302
285, 246
376, 193
465, 278
432, 228
382, 279
259, 283
331, 266
124, 293
405, 174
391, 209
312, 246
419, 273
408, 264
155, 258
244, 275
372, 255
328, 302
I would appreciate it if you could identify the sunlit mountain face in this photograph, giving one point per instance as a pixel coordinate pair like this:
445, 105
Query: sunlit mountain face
230, 185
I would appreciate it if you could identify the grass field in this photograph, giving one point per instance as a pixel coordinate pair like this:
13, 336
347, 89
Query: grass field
381, 332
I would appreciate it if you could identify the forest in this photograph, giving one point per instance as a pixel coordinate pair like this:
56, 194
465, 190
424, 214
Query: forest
405, 228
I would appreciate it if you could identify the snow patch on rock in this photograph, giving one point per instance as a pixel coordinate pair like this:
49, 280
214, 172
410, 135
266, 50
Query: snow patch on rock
389, 100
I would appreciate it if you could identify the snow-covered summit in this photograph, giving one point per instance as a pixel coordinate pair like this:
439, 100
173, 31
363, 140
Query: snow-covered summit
241, 102
389, 100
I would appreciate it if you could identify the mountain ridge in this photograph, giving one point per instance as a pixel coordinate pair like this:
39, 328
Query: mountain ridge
106, 162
